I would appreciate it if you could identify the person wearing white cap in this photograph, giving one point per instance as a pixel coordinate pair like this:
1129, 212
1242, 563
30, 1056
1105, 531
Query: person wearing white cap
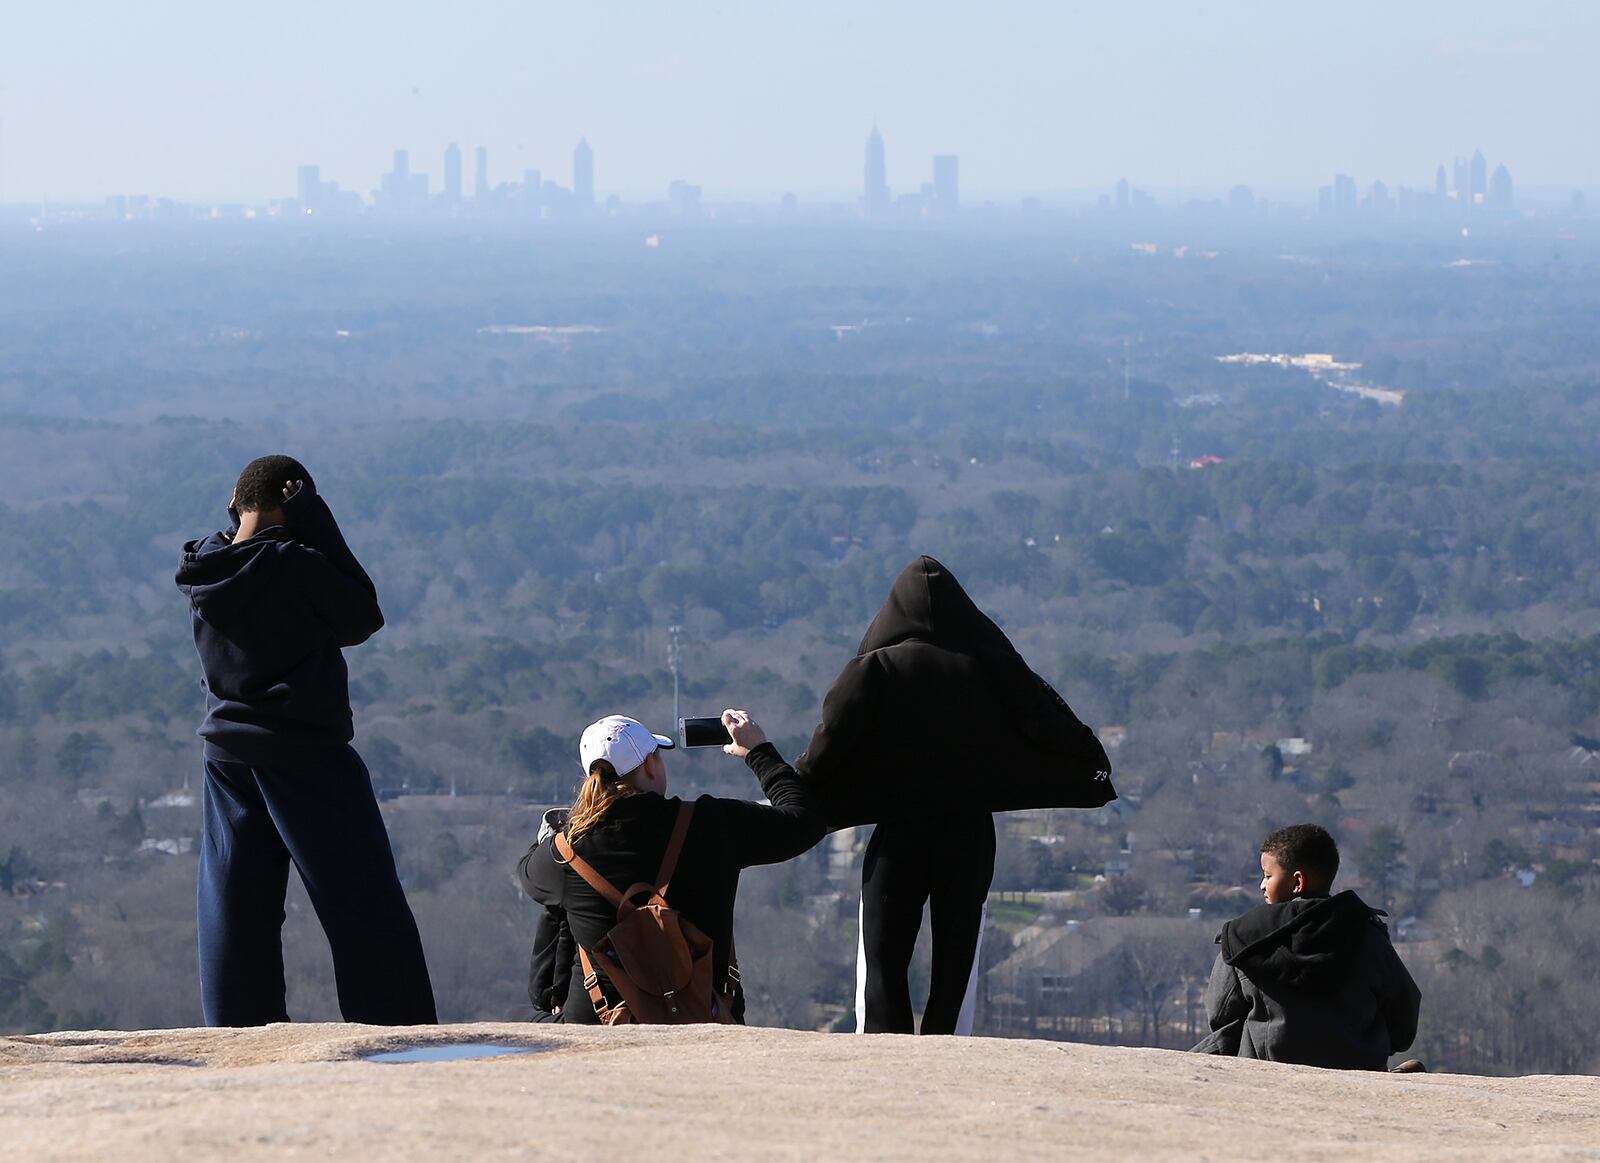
622, 825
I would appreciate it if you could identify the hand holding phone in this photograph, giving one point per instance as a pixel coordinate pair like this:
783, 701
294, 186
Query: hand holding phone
703, 731
744, 733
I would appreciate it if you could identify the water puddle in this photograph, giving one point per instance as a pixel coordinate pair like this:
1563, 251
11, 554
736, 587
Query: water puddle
451, 1051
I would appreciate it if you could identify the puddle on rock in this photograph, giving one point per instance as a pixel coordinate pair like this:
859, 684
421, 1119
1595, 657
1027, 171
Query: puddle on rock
451, 1051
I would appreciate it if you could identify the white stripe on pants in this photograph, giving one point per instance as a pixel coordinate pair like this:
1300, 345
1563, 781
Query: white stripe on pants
969, 1003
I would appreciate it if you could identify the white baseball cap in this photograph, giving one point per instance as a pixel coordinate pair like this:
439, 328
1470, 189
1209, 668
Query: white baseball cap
622, 742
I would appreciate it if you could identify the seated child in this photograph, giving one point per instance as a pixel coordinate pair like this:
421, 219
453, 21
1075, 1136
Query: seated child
1308, 977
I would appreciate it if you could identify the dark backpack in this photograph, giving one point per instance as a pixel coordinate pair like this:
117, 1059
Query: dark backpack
656, 958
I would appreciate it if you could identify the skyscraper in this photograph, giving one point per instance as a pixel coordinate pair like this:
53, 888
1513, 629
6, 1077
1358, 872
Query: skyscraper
1122, 195
452, 173
309, 188
1345, 197
1480, 178
875, 201
480, 182
583, 175
1500, 195
395, 186
946, 183
1441, 188
1462, 184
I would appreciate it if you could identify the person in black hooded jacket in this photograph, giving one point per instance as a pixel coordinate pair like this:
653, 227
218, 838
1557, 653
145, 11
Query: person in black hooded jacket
1307, 977
934, 725
273, 600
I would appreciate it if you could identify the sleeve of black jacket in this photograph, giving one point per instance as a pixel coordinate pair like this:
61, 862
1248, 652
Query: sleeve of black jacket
1046, 721
1401, 1000
541, 965
550, 968
540, 875
345, 598
770, 833
830, 761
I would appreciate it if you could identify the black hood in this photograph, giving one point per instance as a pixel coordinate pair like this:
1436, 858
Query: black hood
1303, 943
223, 580
927, 604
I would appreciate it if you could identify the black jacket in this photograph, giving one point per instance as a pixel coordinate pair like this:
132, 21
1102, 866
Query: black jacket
1313, 981
626, 847
938, 709
550, 968
270, 616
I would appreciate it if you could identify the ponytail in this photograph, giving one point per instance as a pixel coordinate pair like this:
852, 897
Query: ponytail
602, 788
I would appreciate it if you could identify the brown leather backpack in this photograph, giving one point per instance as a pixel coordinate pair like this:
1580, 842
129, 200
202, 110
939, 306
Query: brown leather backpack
659, 962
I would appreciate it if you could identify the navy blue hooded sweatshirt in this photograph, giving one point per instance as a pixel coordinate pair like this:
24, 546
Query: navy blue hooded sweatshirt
271, 615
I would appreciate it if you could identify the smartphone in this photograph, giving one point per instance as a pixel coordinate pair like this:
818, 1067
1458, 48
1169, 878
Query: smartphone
703, 732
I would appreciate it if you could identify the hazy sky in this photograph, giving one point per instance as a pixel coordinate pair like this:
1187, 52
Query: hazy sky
222, 100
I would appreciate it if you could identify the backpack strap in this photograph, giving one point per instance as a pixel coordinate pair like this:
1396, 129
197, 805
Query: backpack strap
586, 870
591, 982
669, 861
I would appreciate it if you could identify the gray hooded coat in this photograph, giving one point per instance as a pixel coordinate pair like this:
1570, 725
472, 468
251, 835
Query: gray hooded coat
1312, 981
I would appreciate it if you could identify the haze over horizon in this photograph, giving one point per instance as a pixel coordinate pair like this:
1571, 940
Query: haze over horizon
201, 103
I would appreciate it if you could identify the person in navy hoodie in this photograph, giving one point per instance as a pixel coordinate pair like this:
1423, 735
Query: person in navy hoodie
274, 600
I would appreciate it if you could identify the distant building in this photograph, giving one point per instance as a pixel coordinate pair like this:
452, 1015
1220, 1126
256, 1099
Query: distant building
1122, 195
583, 175
1462, 183
1378, 200
1325, 200
400, 188
946, 183
480, 180
1441, 188
789, 206
1241, 200
316, 196
309, 188
1344, 194
452, 173
1479, 176
1500, 193
1577, 205
875, 185
684, 199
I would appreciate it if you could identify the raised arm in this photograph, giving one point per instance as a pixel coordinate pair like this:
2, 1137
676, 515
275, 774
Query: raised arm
311, 522
349, 607
790, 823
341, 593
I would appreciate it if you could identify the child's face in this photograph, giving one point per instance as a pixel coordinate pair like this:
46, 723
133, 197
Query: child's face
1278, 884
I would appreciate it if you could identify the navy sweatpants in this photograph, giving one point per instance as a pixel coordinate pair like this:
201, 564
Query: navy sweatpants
321, 814
944, 862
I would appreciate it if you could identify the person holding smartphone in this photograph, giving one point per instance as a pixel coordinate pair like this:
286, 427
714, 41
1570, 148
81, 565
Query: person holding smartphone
622, 821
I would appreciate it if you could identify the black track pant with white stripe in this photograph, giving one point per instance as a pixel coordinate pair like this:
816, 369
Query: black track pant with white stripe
946, 862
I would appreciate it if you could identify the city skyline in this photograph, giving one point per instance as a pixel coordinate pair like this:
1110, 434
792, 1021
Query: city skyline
1474, 189
204, 104
875, 191
406, 191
